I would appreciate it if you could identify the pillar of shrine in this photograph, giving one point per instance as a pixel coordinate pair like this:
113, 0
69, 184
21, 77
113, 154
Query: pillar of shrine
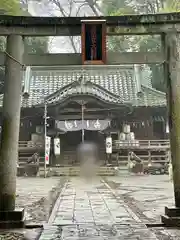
10, 130
172, 78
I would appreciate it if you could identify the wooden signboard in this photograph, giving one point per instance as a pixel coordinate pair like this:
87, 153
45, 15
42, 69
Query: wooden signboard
93, 42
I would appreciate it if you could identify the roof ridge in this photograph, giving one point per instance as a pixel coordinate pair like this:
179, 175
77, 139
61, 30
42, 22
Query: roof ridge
81, 67
78, 83
154, 90
102, 88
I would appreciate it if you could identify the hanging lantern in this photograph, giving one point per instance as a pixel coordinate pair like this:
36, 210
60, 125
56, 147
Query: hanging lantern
57, 147
108, 145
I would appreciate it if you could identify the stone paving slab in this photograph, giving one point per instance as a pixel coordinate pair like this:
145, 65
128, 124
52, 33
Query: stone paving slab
97, 232
150, 194
83, 202
87, 211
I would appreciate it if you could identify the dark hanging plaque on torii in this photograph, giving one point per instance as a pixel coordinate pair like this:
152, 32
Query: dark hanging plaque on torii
93, 42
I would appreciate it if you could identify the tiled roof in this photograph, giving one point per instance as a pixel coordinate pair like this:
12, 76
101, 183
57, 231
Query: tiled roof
113, 84
86, 88
152, 97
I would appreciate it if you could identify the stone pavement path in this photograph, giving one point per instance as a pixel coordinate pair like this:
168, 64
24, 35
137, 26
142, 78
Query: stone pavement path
89, 210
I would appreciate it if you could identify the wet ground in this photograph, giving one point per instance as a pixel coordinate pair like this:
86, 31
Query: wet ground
148, 193
146, 196
107, 209
102, 208
37, 195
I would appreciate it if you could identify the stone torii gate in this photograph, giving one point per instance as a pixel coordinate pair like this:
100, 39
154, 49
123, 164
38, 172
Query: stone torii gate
14, 58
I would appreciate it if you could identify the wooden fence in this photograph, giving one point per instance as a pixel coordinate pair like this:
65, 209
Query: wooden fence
141, 144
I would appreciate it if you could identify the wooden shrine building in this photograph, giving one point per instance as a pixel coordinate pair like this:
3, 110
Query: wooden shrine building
110, 96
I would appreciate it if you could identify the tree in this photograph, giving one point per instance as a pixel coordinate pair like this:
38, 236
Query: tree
145, 43
152, 43
120, 43
32, 44
111, 6
36, 45
69, 8
11, 7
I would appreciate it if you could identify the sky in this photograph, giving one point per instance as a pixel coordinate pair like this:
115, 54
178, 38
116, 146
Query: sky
70, 7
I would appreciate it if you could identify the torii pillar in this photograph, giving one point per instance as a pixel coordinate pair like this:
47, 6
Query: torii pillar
172, 77
9, 217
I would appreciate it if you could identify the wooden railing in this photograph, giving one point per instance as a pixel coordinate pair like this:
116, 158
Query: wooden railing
141, 144
117, 144
28, 144
153, 158
145, 158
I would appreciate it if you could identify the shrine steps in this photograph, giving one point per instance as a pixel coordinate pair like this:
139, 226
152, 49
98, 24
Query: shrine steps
76, 171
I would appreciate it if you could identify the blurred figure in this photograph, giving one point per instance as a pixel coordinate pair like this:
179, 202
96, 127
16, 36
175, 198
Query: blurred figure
33, 159
135, 164
87, 154
32, 165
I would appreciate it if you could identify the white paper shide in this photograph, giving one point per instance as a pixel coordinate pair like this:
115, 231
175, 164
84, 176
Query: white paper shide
48, 146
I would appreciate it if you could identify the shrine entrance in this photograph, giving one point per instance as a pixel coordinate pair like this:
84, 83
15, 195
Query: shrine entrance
70, 142
75, 132
73, 139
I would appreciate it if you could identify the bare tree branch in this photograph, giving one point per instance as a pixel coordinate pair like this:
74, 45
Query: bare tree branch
57, 3
82, 5
92, 4
68, 10
64, 14
70, 6
71, 3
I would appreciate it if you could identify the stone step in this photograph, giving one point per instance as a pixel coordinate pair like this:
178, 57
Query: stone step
75, 171
170, 221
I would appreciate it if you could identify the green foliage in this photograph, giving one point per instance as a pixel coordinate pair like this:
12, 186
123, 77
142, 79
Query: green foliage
11, 7
36, 45
152, 44
145, 43
32, 44
171, 6
122, 11
110, 6
119, 43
